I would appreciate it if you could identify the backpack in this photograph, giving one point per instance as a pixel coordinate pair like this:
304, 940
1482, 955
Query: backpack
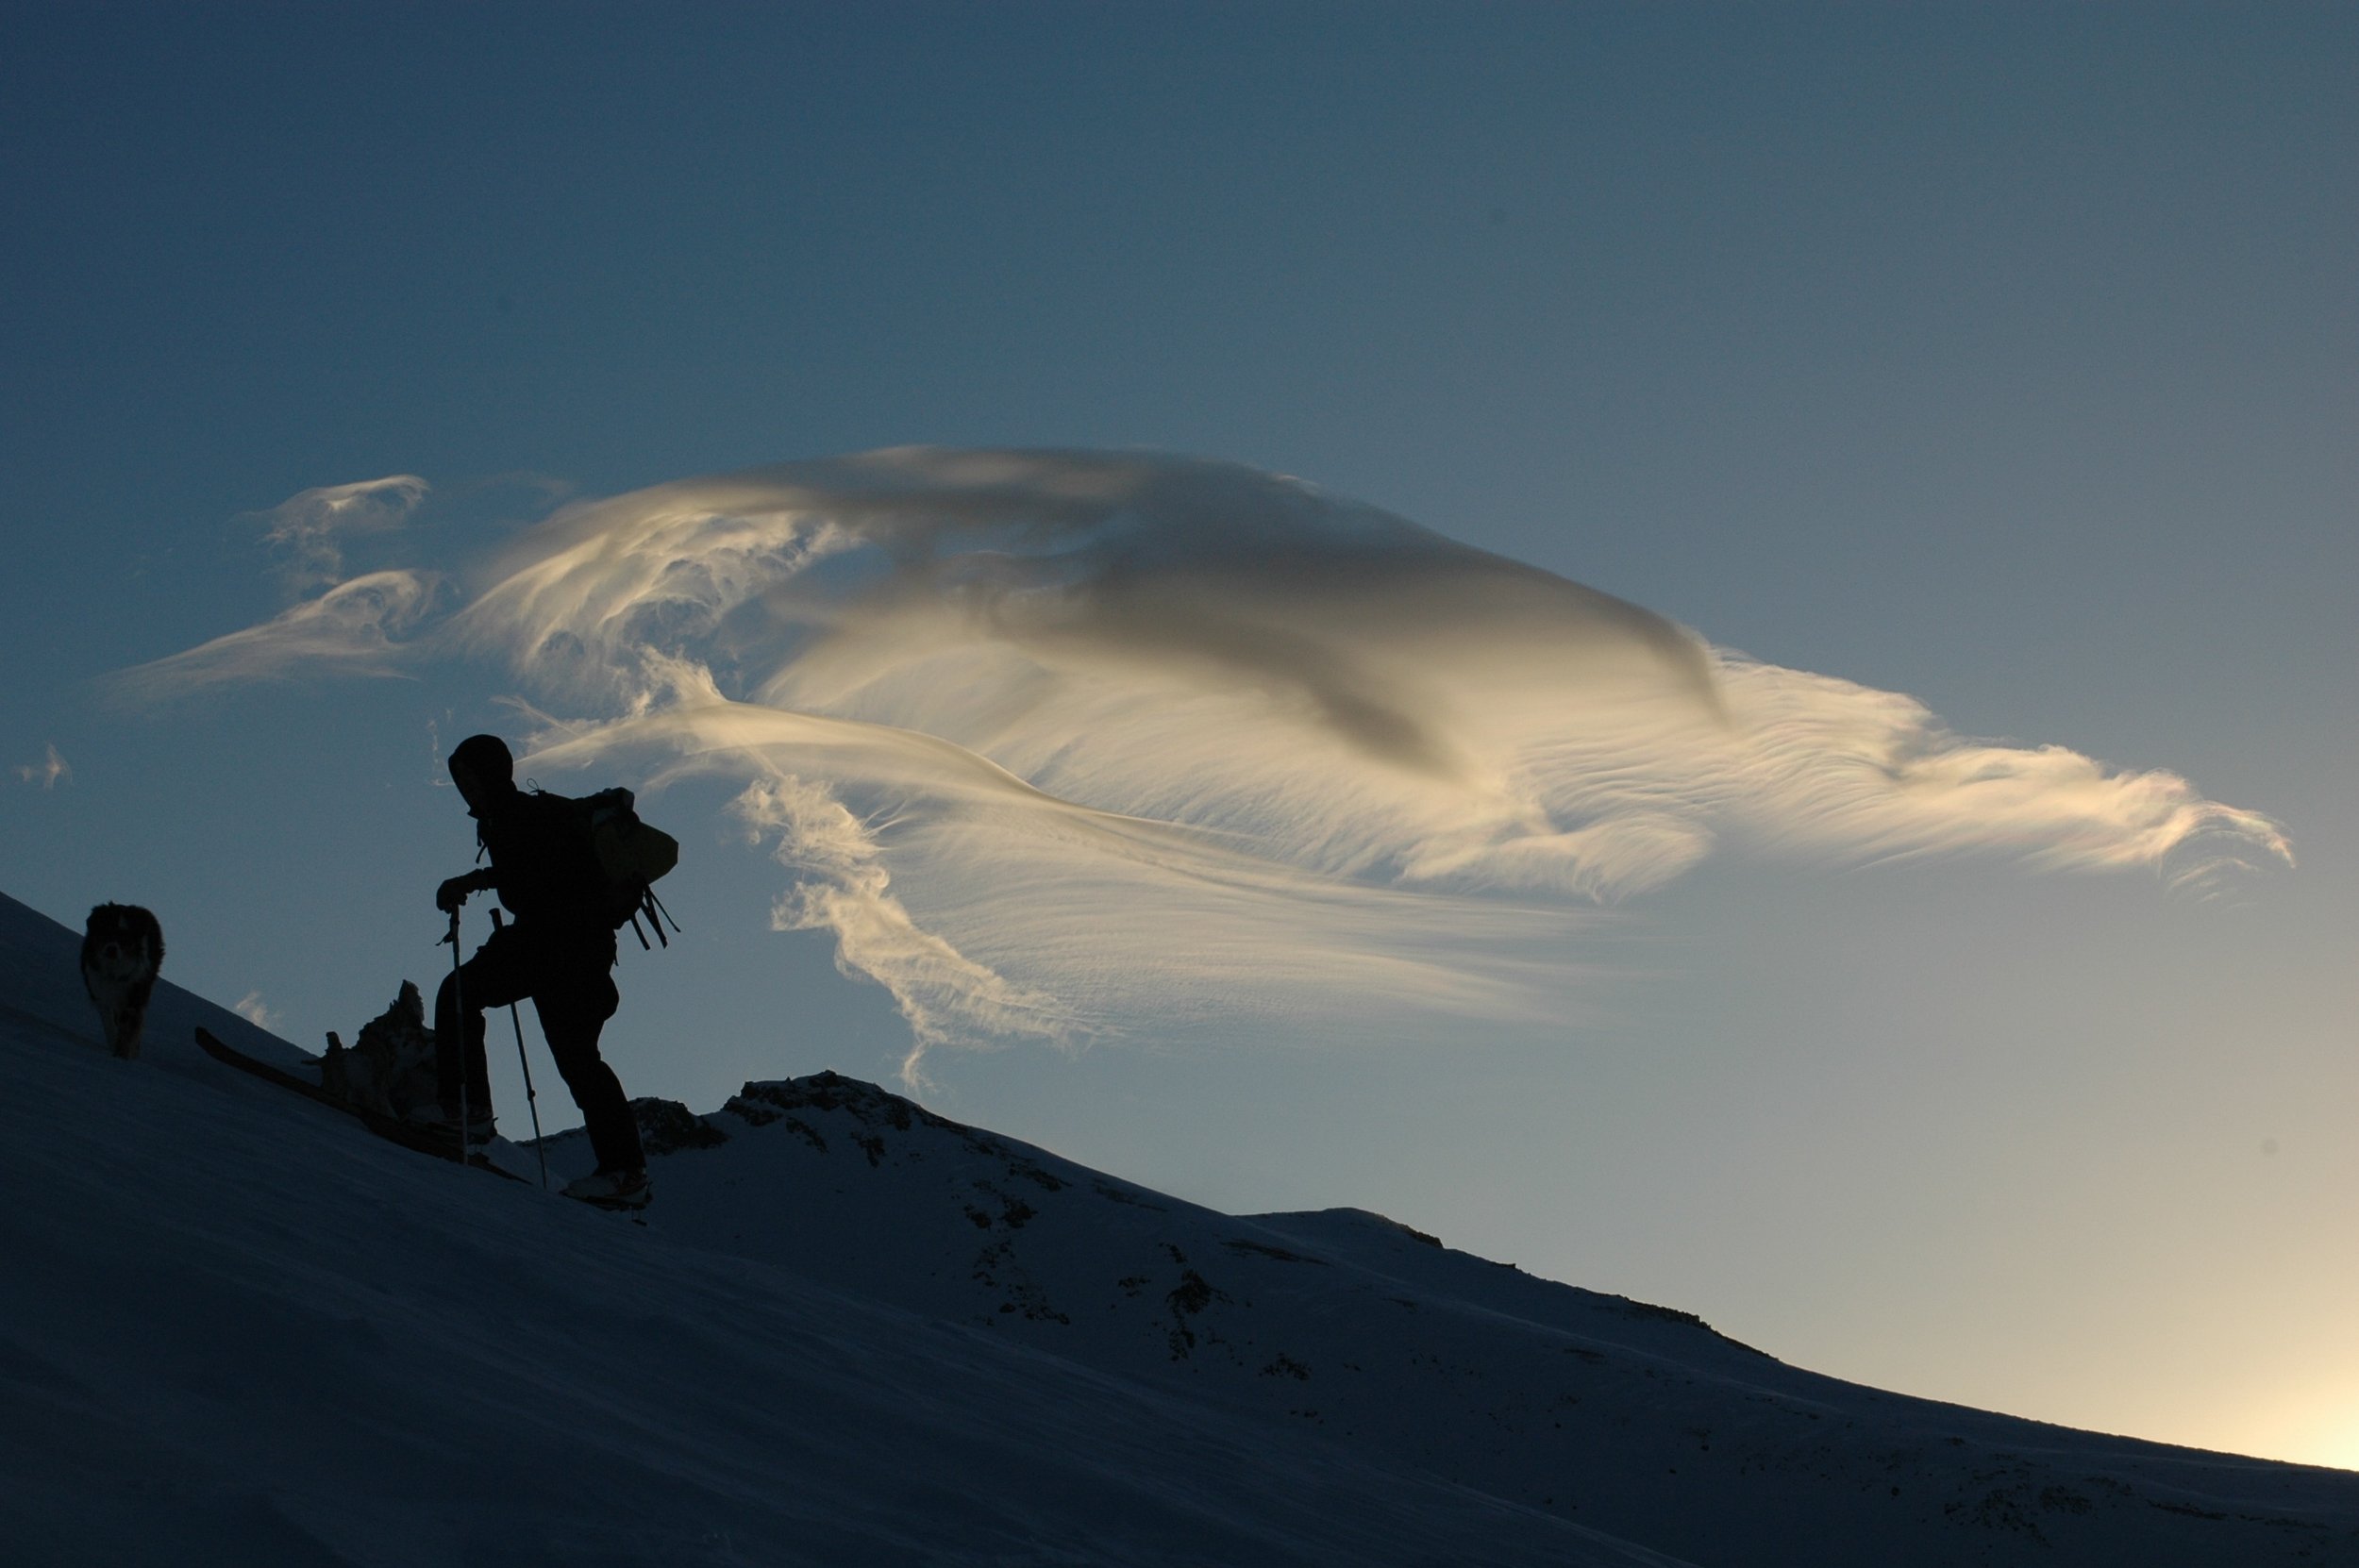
631, 855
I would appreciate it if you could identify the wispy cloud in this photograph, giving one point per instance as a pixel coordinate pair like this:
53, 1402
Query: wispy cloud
989, 908
1050, 741
843, 886
310, 528
1833, 767
353, 628
250, 1008
51, 771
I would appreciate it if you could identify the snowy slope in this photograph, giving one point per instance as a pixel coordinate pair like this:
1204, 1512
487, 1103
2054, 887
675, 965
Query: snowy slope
235, 1329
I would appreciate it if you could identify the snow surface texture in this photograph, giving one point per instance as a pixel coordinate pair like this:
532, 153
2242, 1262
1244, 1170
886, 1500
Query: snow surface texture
235, 1329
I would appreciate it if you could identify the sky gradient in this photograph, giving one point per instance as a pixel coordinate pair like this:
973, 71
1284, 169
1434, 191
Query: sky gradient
1997, 357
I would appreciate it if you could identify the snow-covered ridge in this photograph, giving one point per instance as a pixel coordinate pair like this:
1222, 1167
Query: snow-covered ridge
237, 1329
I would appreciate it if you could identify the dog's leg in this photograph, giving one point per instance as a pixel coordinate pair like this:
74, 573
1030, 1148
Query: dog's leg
135, 1016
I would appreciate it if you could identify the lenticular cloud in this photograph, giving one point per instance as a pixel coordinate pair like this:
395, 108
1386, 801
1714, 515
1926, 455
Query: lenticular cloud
1049, 741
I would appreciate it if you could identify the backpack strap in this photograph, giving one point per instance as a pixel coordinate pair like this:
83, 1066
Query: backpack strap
657, 914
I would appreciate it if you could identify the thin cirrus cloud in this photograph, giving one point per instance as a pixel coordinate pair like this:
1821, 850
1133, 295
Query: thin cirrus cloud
353, 628
345, 628
1052, 740
310, 530
51, 771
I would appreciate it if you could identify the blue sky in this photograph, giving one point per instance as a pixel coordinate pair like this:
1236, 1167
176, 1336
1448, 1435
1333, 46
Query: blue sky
1997, 356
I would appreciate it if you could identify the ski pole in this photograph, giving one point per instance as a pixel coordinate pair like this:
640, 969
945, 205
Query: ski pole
532, 1101
458, 1008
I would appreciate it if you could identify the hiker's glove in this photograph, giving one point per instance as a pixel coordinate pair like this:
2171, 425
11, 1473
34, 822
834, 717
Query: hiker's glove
453, 892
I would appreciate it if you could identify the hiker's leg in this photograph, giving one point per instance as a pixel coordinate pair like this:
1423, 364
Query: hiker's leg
495, 976
574, 1000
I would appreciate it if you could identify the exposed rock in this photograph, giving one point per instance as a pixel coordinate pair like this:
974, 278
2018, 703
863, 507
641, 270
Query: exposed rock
389, 1068
1262, 1250
666, 1126
758, 1104
1408, 1230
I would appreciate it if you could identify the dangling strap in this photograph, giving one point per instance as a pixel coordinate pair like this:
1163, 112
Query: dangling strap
651, 907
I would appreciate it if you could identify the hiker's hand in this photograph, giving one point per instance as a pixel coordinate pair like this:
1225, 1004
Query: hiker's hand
453, 892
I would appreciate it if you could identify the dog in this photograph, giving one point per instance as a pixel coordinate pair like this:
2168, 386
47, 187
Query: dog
122, 947
389, 1069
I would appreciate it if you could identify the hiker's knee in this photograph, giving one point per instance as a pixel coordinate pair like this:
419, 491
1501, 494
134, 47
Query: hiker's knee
446, 1000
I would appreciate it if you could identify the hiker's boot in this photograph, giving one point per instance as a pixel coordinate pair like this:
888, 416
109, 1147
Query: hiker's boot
612, 1189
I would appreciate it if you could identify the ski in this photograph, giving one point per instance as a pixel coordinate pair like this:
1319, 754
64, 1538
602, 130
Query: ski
393, 1129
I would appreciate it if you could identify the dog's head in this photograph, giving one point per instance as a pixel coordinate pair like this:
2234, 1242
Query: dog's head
123, 940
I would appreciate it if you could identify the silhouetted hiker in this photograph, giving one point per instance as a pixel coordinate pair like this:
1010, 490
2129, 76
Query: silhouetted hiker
560, 952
